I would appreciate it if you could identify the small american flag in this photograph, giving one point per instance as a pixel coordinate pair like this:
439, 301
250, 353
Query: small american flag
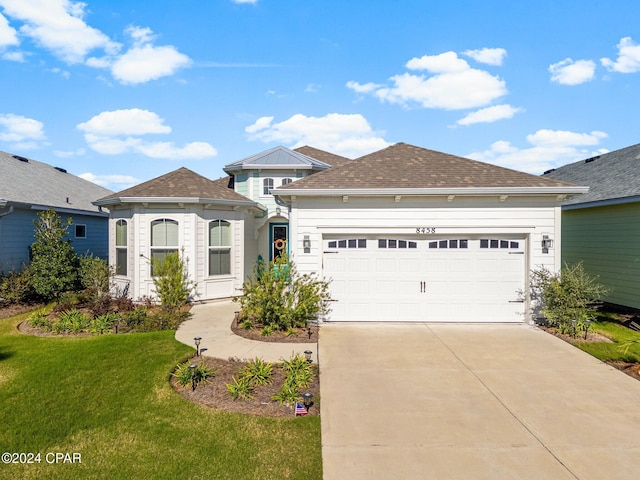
300, 410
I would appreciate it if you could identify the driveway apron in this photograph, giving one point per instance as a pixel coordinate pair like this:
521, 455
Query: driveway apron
421, 401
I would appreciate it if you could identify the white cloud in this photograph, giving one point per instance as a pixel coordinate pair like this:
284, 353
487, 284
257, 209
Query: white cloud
628, 57
118, 132
21, 132
344, 134
490, 56
113, 182
58, 26
454, 85
133, 121
490, 114
253, 2
549, 149
444, 63
568, 72
13, 56
8, 35
69, 153
144, 61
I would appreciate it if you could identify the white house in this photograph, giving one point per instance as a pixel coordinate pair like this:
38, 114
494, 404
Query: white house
405, 233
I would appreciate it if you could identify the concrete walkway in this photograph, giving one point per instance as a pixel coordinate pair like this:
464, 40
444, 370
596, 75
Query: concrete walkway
212, 322
474, 402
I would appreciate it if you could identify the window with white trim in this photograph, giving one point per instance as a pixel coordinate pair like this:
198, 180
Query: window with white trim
219, 247
286, 181
267, 185
122, 257
164, 239
80, 231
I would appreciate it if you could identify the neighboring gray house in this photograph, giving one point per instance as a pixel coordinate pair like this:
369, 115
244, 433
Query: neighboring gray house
28, 187
602, 227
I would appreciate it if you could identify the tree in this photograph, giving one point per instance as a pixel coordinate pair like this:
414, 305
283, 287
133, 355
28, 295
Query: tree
54, 263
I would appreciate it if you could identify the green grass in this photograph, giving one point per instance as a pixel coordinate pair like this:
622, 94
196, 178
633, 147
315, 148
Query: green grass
625, 346
109, 399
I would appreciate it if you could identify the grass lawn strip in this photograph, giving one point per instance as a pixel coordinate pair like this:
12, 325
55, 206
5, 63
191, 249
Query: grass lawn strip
109, 399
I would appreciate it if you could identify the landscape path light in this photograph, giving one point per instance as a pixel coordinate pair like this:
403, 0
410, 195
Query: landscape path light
307, 400
197, 340
307, 355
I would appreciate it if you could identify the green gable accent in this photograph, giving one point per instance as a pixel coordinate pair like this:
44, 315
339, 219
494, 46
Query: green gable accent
607, 240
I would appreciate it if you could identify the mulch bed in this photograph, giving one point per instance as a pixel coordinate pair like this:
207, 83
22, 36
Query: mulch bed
213, 392
301, 336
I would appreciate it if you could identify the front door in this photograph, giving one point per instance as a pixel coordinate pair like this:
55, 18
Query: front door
279, 240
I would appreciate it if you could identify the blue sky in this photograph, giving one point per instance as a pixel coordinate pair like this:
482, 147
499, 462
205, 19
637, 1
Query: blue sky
119, 92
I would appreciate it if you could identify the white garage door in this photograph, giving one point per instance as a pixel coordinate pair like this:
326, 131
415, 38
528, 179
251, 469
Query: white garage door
453, 279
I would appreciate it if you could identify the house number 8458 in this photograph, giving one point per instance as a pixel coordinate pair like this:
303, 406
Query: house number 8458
425, 229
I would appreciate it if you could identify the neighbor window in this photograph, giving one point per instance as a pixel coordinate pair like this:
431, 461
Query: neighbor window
81, 231
267, 185
121, 247
286, 181
164, 239
219, 247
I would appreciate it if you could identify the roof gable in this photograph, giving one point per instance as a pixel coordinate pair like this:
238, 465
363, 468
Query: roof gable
403, 166
31, 182
278, 158
326, 157
181, 183
611, 176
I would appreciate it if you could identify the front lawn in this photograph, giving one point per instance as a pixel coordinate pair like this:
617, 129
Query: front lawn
108, 398
626, 342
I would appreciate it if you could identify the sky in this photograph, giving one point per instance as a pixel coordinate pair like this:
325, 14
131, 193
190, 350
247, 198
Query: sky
119, 92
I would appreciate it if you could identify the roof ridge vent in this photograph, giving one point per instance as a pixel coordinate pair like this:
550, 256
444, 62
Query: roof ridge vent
22, 159
589, 160
60, 169
549, 171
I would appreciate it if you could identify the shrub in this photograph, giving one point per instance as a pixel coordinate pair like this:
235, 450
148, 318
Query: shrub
240, 388
258, 372
171, 281
267, 330
283, 300
299, 374
103, 323
95, 276
567, 297
134, 317
188, 378
73, 321
40, 319
16, 287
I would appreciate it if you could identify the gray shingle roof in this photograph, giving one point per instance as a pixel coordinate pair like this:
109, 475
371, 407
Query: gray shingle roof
326, 157
24, 180
614, 175
403, 166
278, 157
181, 183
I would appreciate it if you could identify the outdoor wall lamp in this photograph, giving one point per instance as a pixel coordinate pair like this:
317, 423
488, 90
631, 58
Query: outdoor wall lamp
197, 341
307, 400
547, 243
306, 242
307, 355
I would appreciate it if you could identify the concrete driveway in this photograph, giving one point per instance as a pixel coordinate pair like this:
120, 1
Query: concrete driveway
472, 402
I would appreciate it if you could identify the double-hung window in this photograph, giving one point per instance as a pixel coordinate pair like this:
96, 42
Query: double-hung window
219, 247
164, 239
121, 247
267, 185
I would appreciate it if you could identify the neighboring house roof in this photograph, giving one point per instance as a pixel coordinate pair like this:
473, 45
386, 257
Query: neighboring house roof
613, 177
27, 181
407, 169
277, 158
326, 157
181, 185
